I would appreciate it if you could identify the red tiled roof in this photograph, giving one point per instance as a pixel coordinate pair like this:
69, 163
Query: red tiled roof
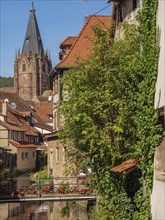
82, 46
23, 108
16, 121
42, 98
14, 98
68, 41
25, 113
12, 127
44, 109
23, 144
126, 166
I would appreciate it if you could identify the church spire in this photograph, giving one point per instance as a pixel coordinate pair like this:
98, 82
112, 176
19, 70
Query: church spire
32, 43
32, 7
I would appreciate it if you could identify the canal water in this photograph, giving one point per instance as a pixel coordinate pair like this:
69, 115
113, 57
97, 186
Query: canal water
40, 210
44, 211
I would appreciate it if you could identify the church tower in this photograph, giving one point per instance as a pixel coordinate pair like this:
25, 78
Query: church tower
33, 65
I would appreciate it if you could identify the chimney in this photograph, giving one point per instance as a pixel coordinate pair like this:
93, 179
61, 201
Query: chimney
4, 106
4, 109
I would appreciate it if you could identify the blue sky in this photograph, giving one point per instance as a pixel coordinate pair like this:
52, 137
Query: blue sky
57, 19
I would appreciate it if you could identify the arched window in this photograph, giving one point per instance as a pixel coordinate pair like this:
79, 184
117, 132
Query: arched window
23, 67
44, 67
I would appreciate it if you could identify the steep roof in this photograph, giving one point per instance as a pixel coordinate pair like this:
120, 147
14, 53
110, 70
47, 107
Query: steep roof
14, 98
32, 43
16, 121
23, 144
40, 111
44, 110
82, 46
68, 41
11, 127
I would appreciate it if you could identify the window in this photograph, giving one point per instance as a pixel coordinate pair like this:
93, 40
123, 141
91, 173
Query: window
22, 136
29, 139
44, 68
22, 156
120, 16
12, 135
57, 154
23, 67
38, 84
26, 155
56, 85
37, 139
135, 3
33, 139
64, 154
33, 154
55, 121
16, 135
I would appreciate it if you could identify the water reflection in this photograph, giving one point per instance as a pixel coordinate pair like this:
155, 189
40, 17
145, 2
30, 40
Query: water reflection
44, 211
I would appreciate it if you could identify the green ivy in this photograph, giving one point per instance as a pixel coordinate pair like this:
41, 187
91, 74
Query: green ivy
110, 115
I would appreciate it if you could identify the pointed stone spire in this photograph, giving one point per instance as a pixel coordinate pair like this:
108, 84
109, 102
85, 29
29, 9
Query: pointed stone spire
32, 43
49, 56
16, 55
18, 52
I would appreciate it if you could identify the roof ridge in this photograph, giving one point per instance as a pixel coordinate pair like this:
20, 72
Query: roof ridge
75, 41
79, 36
67, 38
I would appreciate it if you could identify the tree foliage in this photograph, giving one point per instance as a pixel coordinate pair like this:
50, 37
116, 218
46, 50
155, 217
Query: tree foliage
110, 115
6, 81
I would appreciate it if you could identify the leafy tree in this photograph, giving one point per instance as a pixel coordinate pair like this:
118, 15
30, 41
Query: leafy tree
110, 117
6, 81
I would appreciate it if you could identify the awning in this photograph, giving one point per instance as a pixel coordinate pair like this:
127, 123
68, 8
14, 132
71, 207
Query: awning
126, 166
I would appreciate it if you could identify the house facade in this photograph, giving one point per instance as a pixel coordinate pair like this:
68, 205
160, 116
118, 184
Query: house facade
126, 10
73, 49
19, 140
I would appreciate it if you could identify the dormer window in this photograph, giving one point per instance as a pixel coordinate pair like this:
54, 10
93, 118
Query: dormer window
16, 135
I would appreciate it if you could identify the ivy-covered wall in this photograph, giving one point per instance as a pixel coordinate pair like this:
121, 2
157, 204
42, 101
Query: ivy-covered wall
110, 116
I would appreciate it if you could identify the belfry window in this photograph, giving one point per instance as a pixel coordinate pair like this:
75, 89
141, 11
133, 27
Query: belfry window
44, 68
23, 67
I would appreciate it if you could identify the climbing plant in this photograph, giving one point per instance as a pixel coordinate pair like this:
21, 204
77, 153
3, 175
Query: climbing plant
110, 115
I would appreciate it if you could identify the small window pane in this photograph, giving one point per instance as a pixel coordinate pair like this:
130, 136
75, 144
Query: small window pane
23, 156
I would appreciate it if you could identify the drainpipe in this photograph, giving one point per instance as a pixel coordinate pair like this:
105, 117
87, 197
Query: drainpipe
144, 183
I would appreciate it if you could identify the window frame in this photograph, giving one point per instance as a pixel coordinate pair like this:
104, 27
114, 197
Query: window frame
22, 156
57, 154
24, 67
